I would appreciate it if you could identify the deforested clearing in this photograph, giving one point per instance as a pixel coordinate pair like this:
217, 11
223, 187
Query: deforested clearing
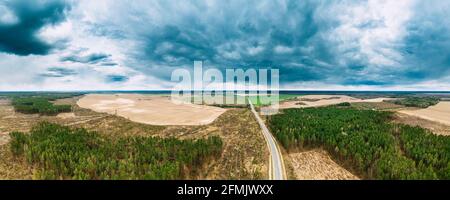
436, 127
438, 113
325, 100
317, 164
155, 110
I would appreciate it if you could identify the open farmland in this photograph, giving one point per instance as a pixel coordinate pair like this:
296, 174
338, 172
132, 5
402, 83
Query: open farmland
155, 110
382, 106
436, 127
306, 101
438, 113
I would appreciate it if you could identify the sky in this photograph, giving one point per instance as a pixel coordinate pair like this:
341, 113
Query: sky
137, 44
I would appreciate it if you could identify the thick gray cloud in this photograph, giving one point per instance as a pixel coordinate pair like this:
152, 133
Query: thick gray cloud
57, 72
308, 40
116, 78
285, 34
375, 44
93, 58
19, 36
426, 48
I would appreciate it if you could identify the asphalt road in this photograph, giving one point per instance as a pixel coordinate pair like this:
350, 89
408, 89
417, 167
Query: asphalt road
277, 170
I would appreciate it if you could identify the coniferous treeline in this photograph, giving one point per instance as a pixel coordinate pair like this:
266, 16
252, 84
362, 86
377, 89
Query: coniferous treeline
59, 152
38, 105
421, 102
367, 141
51, 96
427, 149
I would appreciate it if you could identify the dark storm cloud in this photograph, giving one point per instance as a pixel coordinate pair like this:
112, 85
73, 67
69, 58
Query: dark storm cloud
20, 37
109, 64
300, 38
116, 78
93, 58
426, 48
342, 43
424, 51
364, 82
57, 72
244, 37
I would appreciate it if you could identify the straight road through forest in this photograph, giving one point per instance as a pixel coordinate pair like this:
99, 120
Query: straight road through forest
277, 170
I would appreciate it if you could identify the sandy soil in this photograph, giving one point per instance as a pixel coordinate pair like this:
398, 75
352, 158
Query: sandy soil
245, 154
317, 165
155, 110
324, 100
11, 168
4, 138
438, 113
11, 121
381, 106
436, 127
66, 115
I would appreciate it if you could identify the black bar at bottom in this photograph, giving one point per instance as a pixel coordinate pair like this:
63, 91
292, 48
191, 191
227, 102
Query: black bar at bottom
226, 189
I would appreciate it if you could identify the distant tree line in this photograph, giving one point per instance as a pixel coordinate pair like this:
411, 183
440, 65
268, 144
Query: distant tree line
366, 141
344, 104
49, 95
59, 152
38, 105
421, 102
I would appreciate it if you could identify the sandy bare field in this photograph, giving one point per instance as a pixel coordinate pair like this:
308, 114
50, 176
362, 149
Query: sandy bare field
4, 138
66, 115
324, 100
435, 127
317, 165
438, 113
151, 109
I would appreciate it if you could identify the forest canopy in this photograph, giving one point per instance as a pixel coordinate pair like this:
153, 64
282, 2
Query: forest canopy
58, 152
38, 105
366, 142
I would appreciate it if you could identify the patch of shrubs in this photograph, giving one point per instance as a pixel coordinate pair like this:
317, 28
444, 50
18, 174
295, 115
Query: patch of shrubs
38, 105
420, 102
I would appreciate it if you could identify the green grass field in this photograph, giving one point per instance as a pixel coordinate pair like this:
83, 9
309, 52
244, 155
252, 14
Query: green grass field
256, 100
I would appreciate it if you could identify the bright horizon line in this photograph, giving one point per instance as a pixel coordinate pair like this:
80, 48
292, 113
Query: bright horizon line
292, 90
